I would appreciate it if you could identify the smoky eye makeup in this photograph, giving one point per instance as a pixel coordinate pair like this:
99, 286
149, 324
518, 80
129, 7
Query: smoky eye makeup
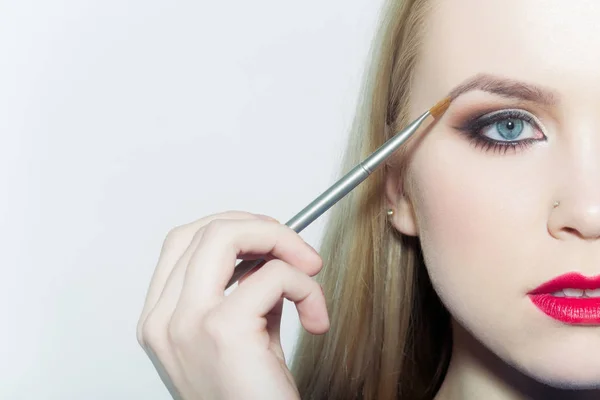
500, 130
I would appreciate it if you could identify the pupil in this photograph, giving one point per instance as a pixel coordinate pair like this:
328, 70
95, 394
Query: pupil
510, 125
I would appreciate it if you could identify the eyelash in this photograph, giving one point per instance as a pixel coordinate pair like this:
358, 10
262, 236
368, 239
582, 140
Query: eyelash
474, 126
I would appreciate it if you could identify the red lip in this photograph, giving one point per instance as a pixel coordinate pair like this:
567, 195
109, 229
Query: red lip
571, 280
569, 310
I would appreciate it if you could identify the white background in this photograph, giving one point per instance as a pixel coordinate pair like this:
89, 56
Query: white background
122, 119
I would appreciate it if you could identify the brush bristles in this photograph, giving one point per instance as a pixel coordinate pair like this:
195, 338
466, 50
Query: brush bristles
441, 106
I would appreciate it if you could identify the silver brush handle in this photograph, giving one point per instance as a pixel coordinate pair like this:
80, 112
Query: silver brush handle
310, 213
336, 192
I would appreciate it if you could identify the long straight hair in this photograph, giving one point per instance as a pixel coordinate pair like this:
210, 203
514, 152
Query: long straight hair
390, 336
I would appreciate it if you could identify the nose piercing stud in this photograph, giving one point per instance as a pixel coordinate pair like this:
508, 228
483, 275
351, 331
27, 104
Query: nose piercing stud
556, 204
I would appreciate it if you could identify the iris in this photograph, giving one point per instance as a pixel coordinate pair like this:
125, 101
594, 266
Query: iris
509, 129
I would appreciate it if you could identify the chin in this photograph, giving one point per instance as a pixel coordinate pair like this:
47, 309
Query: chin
574, 380
570, 360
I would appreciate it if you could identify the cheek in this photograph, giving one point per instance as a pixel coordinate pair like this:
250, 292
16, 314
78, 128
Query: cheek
478, 217
482, 223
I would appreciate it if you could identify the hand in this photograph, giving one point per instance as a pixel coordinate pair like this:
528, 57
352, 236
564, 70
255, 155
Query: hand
206, 345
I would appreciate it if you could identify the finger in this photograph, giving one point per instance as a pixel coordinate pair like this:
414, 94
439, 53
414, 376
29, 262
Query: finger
177, 245
171, 293
260, 294
167, 301
212, 264
274, 329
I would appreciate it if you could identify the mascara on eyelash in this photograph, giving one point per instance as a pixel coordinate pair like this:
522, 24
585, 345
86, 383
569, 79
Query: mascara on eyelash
481, 121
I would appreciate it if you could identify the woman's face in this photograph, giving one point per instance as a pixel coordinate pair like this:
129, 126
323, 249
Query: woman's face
523, 134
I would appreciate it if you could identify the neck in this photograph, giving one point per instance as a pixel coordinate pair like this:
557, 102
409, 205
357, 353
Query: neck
476, 373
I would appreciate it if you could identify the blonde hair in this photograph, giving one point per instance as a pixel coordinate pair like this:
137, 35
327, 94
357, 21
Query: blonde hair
390, 335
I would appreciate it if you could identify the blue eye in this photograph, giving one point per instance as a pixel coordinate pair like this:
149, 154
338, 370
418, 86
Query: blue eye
510, 128
503, 130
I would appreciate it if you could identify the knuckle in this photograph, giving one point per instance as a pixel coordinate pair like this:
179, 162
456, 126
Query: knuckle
197, 236
174, 236
193, 230
175, 232
240, 213
215, 227
215, 222
139, 335
152, 332
140, 332
265, 217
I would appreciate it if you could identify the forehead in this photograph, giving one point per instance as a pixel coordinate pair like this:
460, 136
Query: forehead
555, 43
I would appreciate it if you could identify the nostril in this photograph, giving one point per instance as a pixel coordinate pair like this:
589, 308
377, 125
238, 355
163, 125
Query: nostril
572, 231
581, 234
566, 232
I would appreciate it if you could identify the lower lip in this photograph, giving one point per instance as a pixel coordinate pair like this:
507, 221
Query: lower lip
568, 309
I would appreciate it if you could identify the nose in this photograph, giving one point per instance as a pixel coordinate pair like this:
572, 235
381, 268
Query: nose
576, 212
576, 216
576, 170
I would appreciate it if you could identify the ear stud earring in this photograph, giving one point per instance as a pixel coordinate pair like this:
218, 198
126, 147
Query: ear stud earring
390, 212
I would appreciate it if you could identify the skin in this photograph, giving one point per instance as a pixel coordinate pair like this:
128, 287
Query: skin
486, 220
206, 344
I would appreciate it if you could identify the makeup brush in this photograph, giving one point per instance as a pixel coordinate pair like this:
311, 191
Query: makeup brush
345, 185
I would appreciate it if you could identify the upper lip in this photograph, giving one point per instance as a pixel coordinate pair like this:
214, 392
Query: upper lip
571, 280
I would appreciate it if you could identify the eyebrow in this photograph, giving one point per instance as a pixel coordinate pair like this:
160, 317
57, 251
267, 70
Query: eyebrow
506, 88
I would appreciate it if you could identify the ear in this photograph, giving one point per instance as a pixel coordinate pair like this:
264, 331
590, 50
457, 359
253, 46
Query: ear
403, 219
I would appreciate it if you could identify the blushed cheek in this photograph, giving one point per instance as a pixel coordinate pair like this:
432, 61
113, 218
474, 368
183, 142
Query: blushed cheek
467, 214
